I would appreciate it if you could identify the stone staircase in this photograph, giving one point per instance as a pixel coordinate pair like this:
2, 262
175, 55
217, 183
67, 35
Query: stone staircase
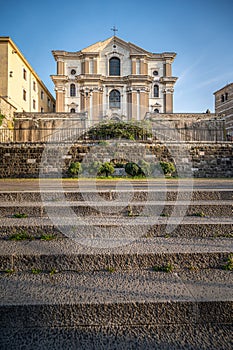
113, 271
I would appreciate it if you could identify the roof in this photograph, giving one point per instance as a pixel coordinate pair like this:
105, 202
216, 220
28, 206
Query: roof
100, 45
223, 88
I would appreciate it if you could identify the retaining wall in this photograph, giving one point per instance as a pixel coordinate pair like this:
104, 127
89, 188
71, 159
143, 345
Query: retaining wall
205, 159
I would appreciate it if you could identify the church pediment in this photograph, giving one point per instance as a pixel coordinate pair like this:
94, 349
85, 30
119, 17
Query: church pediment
114, 40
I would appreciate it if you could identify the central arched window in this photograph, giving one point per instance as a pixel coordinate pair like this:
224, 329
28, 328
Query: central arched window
156, 91
114, 66
72, 90
115, 99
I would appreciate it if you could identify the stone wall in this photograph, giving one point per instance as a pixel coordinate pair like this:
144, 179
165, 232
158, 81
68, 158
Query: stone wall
24, 159
6, 124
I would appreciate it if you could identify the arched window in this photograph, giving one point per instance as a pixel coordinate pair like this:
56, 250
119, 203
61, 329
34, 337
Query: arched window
72, 90
72, 110
156, 91
156, 110
222, 98
114, 66
115, 99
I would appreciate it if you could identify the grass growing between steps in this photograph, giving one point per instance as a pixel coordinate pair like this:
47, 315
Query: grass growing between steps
164, 268
229, 265
24, 236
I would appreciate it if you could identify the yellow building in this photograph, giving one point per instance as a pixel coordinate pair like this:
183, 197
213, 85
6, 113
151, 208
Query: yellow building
114, 79
19, 83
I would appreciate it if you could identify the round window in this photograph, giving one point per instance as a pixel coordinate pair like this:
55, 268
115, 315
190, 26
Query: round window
114, 46
155, 73
73, 71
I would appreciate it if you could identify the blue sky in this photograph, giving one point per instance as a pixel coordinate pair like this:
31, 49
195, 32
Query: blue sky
199, 31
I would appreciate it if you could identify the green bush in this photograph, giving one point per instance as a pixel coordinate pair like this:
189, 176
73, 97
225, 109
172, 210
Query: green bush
168, 168
133, 169
120, 130
75, 168
106, 169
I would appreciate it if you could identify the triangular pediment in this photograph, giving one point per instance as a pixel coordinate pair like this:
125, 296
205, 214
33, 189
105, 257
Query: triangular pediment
101, 45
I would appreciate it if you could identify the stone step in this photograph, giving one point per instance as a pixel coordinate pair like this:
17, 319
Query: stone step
99, 254
104, 299
144, 337
109, 208
137, 195
113, 227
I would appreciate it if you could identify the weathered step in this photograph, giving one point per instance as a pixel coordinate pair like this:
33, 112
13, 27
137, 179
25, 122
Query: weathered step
147, 253
149, 208
113, 227
144, 337
137, 195
71, 299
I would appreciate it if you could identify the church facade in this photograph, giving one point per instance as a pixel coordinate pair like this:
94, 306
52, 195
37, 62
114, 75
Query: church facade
114, 79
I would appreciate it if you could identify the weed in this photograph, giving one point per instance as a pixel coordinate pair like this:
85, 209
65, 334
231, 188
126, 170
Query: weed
52, 272
110, 269
167, 236
20, 236
9, 271
36, 271
164, 215
20, 215
200, 214
47, 237
229, 265
164, 268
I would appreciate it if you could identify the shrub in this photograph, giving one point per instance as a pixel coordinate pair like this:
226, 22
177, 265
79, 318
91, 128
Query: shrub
125, 130
133, 169
168, 168
1, 118
75, 168
106, 168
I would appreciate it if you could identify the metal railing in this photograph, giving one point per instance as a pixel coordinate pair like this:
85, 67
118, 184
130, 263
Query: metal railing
159, 133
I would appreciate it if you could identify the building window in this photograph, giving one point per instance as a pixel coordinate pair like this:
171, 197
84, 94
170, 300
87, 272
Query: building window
24, 74
42, 110
226, 96
34, 104
49, 102
25, 95
73, 71
72, 90
155, 73
114, 66
156, 91
138, 66
156, 110
42, 95
72, 110
34, 85
115, 99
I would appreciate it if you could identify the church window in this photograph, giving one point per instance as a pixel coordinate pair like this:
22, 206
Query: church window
155, 73
115, 99
222, 98
114, 66
72, 110
156, 110
34, 85
42, 95
73, 71
34, 104
72, 90
25, 74
24, 95
226, 96
156, 91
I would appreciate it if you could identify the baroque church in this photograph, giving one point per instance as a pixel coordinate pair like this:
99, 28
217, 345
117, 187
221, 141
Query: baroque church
114, 79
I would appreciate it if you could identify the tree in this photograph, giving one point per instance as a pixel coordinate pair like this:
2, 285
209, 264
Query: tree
106, 168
